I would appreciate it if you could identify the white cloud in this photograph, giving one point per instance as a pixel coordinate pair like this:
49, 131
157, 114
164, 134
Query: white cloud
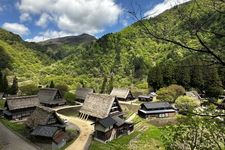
165, 5
16, 28
49, 34
73, 16
25, 17
43, 20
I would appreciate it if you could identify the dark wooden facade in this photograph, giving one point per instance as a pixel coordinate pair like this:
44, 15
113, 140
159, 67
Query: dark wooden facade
20, 107
156, 109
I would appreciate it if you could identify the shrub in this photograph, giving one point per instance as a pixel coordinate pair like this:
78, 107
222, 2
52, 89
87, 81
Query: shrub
29, 89
70, 98
186, 103
170, 93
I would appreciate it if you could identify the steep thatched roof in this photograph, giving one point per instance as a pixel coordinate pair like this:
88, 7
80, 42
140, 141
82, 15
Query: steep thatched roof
42, 116
48, 95
98, 105
81, 93
120, 92
13, 103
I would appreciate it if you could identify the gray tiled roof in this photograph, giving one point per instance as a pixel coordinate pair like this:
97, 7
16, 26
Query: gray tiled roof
107, 122
44, 131
156, 105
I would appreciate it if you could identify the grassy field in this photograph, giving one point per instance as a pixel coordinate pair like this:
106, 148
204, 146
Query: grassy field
145, 136
70, 112
16, 127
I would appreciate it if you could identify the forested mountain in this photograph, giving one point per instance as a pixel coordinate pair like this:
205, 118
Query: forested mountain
126, 58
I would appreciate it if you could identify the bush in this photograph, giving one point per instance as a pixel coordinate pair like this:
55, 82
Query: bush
29, 89
70, 98
170, 93
63, 88
186, 103
214, 92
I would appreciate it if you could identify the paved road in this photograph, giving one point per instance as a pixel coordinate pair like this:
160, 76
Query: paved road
10, 141
86, 130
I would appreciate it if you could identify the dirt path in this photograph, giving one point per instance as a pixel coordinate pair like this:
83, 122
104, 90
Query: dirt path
86, 131
10, 141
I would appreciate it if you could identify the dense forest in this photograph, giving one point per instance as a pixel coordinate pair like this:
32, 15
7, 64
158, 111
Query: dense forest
130, 58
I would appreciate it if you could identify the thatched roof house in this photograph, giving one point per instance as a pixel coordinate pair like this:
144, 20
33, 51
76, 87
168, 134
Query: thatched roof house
18, 107
51, 97
109, 128
81, 93
122, 94
47, 125
44, 116
100, 106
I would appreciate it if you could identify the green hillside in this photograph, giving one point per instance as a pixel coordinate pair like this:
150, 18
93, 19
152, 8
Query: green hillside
124, 57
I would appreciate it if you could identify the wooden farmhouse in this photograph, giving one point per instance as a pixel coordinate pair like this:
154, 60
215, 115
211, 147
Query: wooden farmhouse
19, 107
156, 109
51, 97
46, 125
81, 93
105, 110
122, 94
146, 98
111, 128
99, 106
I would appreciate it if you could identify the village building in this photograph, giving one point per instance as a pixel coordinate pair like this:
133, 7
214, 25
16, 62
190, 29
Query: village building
146, 98
99, 106
46, 125
81, 93
105, 110
111, 128
51, 97
19, 107
122, 94
156, 109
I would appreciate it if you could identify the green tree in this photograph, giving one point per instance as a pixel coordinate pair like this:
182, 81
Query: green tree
52, 85
29, 89
186, 103
104, 82
14, 88
5, 84
1, 82
111, 84
170, 93
155, 78
62, 87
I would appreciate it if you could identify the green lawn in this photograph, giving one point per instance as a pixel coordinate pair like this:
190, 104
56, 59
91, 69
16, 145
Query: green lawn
16, 127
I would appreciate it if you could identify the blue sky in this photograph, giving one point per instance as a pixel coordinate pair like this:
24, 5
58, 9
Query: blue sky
44, 19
